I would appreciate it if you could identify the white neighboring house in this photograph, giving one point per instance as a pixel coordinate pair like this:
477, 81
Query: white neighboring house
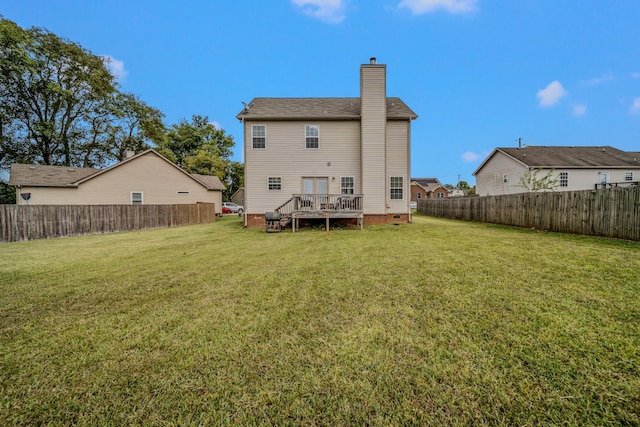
329, 157
575, 168
145, 178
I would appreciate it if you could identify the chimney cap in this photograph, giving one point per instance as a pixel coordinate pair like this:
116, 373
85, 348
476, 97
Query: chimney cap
372, 60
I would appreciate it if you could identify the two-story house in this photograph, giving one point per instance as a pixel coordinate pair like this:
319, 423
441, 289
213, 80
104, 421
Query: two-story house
573, 168
329, 158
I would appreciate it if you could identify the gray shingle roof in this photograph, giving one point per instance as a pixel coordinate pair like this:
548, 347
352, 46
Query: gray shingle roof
65, 176
317, 108
47, 176
428, 184
573, 157
209, 181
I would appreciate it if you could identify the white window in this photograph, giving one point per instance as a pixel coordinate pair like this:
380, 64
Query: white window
628, 176
274, 183
136, 198
259, 136
564, 179
439, 195
347, 185
312, 136
396, 188
419, 195
505, 179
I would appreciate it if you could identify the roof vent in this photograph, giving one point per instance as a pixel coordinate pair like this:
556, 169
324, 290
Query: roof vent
372, 60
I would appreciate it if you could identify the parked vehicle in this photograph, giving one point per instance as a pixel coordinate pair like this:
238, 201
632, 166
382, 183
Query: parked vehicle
232, 207
226, 210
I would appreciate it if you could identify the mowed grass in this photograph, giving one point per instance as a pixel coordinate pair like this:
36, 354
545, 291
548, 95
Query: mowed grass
432, 323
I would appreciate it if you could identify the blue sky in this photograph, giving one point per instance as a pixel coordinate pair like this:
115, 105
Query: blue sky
479, 73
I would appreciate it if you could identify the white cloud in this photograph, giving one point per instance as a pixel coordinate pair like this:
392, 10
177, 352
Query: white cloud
331, 11
551, 94
635, 106
608, 77
470, 156
418, 7
115, 67
579, 109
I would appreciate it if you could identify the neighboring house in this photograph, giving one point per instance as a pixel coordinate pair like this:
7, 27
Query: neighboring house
238, 197
427, 188
329, 157
145, 178
575, 168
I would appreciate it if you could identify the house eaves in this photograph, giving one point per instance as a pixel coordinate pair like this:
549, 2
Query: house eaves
317, 109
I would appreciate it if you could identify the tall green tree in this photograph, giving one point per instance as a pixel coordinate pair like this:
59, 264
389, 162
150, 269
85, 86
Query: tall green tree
7, 194
200, 147
60, 105
234, 179
50, 86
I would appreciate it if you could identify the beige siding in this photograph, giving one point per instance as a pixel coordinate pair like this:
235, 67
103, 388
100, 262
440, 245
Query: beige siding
397, 154
285, 156
158, 180
373, 130
490, 179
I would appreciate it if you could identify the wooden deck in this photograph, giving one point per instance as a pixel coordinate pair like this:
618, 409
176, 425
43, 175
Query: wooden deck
322, 207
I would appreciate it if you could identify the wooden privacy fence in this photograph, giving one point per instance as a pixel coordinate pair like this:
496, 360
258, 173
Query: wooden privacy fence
24, 222
611, 212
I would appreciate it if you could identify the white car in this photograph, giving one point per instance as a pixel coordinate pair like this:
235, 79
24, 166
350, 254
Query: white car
228, 207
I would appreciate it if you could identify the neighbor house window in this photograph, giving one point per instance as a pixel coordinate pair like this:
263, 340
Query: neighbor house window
419, 195
396, 188
439, 195
136, 198
628, 176
274, 183
505, 179
564, 179
259, 136
312, 134
347, 185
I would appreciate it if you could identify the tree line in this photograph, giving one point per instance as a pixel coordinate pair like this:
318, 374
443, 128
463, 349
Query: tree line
60, 105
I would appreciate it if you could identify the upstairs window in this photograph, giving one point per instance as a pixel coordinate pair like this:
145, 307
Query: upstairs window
628, 176
347, 185
564, 179
505, 179
396, 188
259, 136
312, 136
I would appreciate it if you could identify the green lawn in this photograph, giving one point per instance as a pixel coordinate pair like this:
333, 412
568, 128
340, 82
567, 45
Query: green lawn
432, 323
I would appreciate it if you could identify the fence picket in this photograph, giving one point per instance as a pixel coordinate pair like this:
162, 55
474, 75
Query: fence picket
31, 222
613, 212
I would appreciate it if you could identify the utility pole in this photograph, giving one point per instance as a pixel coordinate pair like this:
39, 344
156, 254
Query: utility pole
519, 142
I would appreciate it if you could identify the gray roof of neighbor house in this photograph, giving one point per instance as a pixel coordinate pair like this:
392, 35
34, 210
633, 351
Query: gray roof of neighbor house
317, 108
47, 176
570, 157
428, 184
66, 176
